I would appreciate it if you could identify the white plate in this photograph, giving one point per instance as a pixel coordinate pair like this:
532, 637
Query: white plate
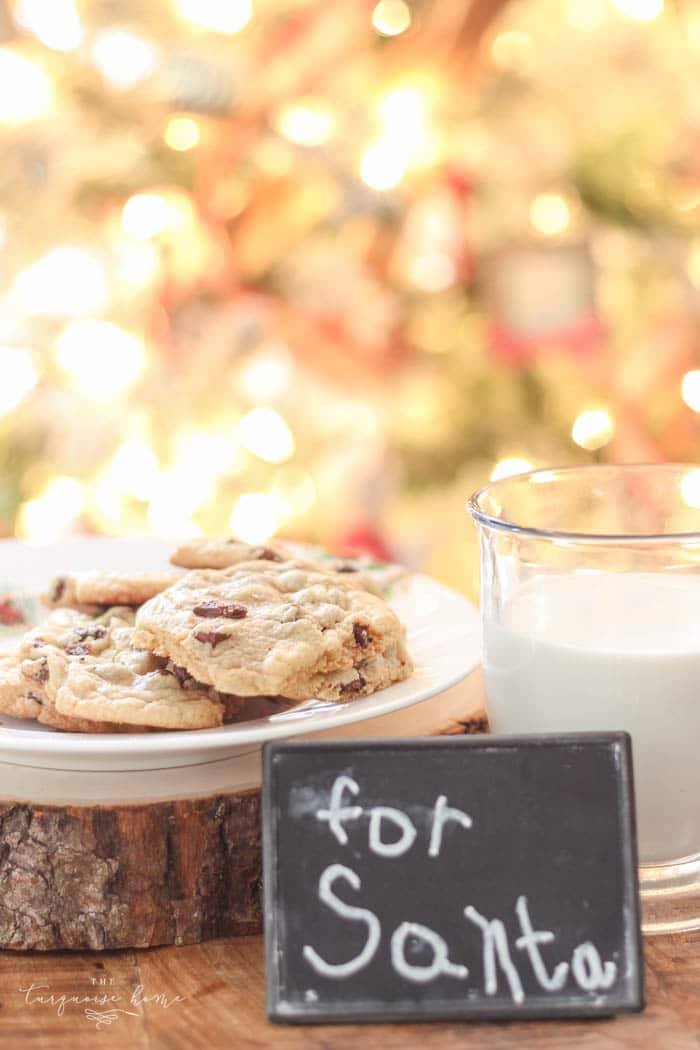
443, 638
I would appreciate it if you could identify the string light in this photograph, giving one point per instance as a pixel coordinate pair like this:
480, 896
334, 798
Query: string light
134, 469
221, 16
690, 489
641, 10
593, 428
68, 281
123, 58
690, 389
264, 433
255, 517
53, 512
17, 377
550, 214
149, 214
266, 375
308, 123
181, 133
381, 167
391, 17
509, 467
101, 359
25, 89
54, 22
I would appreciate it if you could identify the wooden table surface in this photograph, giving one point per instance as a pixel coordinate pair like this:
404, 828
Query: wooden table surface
211, 997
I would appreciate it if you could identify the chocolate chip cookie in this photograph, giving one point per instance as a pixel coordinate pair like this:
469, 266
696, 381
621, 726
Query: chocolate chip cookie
89, 591
266, 627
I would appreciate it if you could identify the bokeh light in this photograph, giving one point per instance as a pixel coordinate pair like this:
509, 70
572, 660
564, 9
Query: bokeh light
593, 428
264, 433
123, 58
17, 377
182, 133
255, 517
54, 22
25, 89
100, 359
391, 17
509, 467
221, 16
68, 281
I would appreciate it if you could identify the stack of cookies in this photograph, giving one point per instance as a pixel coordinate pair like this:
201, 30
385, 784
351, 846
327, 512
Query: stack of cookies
193, 648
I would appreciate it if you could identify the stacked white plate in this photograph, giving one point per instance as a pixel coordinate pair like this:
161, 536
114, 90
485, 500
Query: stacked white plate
42, 765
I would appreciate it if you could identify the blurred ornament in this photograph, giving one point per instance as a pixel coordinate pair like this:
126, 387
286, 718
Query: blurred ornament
365, 538
542, 297
201, 82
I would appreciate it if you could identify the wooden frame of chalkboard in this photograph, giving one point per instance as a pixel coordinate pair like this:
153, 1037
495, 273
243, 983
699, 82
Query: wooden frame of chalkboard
562, 840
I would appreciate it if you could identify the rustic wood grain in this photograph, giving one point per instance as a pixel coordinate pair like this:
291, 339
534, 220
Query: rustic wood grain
129, 876
221, 985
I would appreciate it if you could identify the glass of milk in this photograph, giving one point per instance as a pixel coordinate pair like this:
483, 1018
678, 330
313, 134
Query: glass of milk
590, 595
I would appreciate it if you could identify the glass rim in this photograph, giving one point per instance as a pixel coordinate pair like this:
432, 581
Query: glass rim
545, 473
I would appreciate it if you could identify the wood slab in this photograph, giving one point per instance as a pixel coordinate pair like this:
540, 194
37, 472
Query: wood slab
126, 876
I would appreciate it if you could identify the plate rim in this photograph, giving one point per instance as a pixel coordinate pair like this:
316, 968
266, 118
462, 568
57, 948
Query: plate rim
206, 743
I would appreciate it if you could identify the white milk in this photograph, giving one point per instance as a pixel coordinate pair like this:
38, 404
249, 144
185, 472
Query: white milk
611, 651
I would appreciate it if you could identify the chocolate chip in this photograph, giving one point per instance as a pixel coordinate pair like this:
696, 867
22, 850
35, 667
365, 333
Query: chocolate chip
346, 568
265, 554
184, 677
90, 632
42, 672
58, 589
352, 687
360, 632
233, 611
31, 695
77, 650
212, 637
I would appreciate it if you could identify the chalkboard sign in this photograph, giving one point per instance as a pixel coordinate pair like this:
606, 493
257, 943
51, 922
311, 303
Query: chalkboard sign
455, 877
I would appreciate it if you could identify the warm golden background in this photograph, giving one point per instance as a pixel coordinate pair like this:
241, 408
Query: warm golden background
318, 268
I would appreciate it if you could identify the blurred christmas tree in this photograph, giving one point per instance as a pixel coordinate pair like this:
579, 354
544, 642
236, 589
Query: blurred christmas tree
320, 268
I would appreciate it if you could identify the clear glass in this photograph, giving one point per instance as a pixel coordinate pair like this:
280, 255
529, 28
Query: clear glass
590, 596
